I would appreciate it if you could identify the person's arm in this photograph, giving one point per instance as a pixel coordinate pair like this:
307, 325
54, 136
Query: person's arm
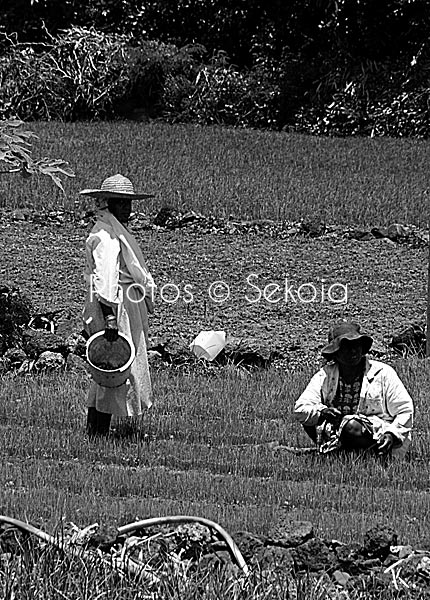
308, 407
105, 279
399, 405
111, 324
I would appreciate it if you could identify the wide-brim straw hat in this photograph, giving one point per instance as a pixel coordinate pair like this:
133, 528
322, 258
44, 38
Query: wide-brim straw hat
117, 186
345, 330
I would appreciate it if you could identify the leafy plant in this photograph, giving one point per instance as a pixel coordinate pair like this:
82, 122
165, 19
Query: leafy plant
16, 155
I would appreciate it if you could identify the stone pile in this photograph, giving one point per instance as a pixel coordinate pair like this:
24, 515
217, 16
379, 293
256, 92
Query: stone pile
169, 218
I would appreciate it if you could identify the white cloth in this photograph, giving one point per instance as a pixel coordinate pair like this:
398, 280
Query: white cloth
384, 400
107, 239
116, 275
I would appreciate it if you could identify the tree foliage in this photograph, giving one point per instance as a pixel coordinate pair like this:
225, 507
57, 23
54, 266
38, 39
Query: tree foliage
329, 65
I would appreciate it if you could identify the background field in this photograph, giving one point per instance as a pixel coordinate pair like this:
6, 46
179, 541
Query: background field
243, 173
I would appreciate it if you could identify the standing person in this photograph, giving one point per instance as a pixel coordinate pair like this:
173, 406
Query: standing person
354, 402
119, 297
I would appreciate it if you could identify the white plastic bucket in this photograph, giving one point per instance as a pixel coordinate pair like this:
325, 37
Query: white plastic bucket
208, 344
110, 362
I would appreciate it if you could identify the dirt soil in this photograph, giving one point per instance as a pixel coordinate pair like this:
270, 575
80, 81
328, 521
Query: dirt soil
386, 283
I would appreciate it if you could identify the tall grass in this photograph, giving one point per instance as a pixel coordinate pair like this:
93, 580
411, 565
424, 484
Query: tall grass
244, 173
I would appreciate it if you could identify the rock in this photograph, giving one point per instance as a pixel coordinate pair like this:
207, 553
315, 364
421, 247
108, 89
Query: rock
18, 215
396, 232
341, 578
388, 242
410, 340
15, 356
360, 234
401, 551
166, 217
38, 341
247, 352
76, 364
219, 561
289, 533
248, 543
379, 232
77, 344
313, 227
350, 557
313, 555
273, 558
378, 540
49, 361
423, 568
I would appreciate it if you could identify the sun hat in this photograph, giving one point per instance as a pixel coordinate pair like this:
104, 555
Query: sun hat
345, 330
116, 186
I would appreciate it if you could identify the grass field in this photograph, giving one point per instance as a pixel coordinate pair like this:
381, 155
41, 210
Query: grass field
204, 448
244, 173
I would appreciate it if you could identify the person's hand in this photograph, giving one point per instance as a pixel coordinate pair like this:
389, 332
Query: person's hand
385, 443
331, 415
149, 305
111, 328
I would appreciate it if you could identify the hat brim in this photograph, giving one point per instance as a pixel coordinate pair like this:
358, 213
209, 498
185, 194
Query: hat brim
331, 348
114, 195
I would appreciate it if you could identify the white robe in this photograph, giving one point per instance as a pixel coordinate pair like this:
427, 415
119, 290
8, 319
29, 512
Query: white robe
110, 248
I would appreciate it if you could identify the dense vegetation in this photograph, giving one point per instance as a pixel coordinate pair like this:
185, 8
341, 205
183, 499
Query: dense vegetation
338, 68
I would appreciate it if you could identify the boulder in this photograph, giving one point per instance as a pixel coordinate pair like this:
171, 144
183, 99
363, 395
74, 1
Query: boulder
379, 232
362, 235
248, 543
350, 557
273, 558
378, 541
15, 356
341, 578
50, 361
313, 227
314, 556
396, 232
247, 352
76, 364
410, 340
77, 344
290, 533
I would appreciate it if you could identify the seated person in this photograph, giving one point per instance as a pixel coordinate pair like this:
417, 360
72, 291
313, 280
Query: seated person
354, 402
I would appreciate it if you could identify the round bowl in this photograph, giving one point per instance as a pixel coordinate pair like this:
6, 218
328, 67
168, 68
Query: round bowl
110, 362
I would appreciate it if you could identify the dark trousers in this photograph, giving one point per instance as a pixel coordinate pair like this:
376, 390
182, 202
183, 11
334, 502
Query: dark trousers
98, 423
311, 431
348, 442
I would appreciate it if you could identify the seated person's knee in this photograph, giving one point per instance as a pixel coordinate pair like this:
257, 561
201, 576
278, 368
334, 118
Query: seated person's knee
353, 428
354, 435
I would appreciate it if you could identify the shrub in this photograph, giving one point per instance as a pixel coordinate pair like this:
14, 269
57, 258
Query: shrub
80, 75
222, 94
373, 99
